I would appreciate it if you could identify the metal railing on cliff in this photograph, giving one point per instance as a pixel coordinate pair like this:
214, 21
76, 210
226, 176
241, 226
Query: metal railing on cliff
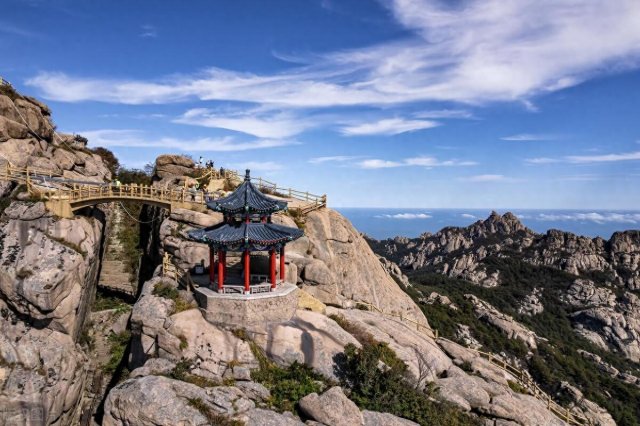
55, 188
521, 376
313, 201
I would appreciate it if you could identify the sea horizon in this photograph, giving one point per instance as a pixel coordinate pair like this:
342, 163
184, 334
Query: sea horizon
382, 223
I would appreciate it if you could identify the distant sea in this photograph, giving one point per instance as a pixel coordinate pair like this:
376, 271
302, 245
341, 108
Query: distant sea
387, 223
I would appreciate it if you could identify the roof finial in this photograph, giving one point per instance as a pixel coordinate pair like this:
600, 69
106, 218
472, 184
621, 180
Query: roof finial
247, 177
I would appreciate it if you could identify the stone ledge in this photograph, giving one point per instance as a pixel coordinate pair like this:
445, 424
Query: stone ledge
237, 310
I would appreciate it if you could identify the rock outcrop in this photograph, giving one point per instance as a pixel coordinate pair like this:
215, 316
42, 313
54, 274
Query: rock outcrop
42, 374
459, 252
49, 265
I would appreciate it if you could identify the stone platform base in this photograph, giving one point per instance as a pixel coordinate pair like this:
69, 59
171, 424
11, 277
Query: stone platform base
248, 311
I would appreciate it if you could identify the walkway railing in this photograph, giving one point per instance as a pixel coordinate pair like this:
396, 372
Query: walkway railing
47, 185
521, 376
313, 201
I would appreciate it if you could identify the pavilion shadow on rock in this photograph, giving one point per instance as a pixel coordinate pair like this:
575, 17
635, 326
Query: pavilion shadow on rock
246, 229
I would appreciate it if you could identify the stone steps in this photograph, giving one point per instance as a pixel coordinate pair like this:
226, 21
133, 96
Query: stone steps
114, 274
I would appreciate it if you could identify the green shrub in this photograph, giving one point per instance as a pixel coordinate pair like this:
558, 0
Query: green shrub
166, 290
103, 302
182, 372
118, 348
551, 363
387, 390
517, 387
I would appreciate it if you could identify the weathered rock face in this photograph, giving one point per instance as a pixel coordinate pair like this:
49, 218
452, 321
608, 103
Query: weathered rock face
310, 338
27, 139
486, 391
156, 400
49, 265
42, 374
422, 355
159, 333
511, 328
48, 272
332, 408
173, 169
336, 265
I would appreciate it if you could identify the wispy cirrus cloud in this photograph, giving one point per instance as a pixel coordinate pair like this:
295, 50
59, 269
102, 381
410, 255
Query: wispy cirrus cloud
257, 122
600, 218
527, 137
485, 178
486, 51
333, 159
605, 158
542, 160
388, 126
423, 161
136, 139
148, 31
586, 159
446, 113
10, 29
404, 216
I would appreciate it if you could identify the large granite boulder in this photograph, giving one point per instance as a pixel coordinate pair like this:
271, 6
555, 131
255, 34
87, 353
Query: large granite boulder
49, 265
336, 265
332, 408
42, 374
424, 359
157, 332
170, 166
157, 400
309, 338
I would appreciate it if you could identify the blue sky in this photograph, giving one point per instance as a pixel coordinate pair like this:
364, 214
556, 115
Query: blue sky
377, 103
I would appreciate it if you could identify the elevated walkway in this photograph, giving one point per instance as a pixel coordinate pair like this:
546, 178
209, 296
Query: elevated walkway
65, 196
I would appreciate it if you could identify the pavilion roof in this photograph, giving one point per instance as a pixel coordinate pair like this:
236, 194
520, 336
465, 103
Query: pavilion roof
247, 199
256, 236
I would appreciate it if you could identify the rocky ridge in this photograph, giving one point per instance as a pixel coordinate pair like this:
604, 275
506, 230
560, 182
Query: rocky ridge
49, 271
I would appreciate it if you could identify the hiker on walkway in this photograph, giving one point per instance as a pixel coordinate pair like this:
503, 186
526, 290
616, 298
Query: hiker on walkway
200, 161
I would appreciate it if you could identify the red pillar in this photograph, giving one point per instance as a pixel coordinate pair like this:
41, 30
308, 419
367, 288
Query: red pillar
282, 274
212, 266
272, 267
247, 272
221, 260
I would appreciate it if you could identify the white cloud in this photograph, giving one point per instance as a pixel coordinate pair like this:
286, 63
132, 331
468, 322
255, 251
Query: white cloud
586, 159
609, 217
423, 161
445, 113
132, 138
605, 158
467, 216
263, 124
333, 159
378, 164
482, 51
542, 160
485, 178
149, 31
529, 137
404, 216
10, 29
388, 126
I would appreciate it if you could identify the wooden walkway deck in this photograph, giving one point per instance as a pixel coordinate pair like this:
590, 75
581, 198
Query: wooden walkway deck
64, 196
